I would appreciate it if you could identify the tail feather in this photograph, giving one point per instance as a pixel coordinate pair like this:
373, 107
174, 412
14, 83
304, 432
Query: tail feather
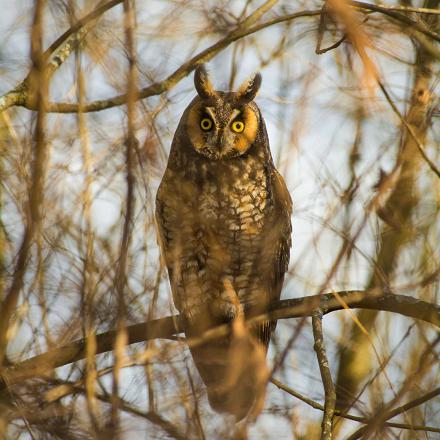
234, 371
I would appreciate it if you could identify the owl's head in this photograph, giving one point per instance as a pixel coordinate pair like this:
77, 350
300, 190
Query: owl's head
221, 125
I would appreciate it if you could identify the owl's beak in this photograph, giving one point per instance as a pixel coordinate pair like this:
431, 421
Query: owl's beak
221, 145
225, 143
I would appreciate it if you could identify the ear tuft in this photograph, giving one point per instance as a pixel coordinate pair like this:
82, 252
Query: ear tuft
249, 89
203, 83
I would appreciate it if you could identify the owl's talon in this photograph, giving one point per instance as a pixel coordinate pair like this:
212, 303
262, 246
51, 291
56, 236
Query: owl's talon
226, 309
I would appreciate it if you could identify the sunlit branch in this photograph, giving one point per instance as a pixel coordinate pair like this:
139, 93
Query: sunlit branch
166, 328
183, 71
121, 277
64, 45
397, 210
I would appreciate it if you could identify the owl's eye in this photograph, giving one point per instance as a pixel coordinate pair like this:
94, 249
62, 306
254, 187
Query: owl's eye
206, 124
237, 126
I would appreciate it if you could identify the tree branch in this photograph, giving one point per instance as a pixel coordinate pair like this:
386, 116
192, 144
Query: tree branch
404, 19
327, 381
53, 58
399, 8
378, 419
410, 131
20, 94
401, 409
166, 328
37, 82
184, 70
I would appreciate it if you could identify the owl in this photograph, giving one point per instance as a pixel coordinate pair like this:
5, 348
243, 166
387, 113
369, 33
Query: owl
223, 215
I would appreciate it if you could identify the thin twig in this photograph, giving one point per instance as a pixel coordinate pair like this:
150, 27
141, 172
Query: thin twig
409, 9
404, 19
420, 400
151, 416
327, 381
378, 419
80, 24
410, 130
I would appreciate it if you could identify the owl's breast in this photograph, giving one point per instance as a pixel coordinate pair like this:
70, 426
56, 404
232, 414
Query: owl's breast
233, 202
235, 208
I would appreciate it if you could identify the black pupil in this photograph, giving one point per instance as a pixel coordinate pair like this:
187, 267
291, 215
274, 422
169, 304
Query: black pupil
206, 123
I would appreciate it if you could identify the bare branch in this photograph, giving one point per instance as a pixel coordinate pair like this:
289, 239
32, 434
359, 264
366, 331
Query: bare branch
42, 365
37, 82
165, 85
54, 57
20, 94
378, 419
404, 19
410, 131
407, 9
403, 408
327, 381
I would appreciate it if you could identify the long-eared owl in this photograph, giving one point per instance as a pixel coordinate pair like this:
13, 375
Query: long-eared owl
223, 214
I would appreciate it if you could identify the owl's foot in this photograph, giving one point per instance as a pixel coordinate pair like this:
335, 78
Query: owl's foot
226, 310
227, 306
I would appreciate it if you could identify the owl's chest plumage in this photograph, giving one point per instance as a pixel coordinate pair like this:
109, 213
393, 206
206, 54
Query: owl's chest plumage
234, 199
216, 238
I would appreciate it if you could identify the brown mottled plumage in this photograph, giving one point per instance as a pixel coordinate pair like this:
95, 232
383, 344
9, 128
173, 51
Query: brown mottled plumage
223, 212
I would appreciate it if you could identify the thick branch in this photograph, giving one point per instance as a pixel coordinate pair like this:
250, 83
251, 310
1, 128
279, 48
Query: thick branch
44, 364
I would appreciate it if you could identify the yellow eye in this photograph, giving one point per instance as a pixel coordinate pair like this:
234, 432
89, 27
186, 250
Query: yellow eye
206, 124
238, 126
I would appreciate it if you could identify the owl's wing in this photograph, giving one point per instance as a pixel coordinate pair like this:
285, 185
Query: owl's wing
165, 228
282, 230
277, 248
176, 218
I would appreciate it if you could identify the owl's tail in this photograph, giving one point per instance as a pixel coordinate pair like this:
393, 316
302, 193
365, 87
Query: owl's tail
234, 371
